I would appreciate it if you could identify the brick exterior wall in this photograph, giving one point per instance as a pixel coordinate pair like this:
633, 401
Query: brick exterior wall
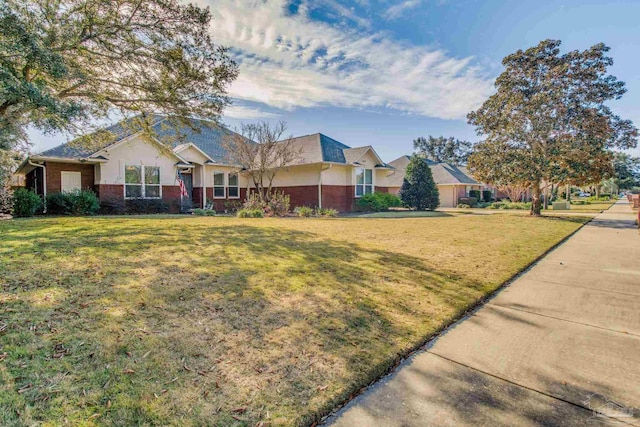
196, 197
112, 198
54, 176
303, 195
221, 205
109, 192
171, 196
340, 197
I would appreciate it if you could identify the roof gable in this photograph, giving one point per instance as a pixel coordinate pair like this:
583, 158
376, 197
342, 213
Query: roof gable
208, 138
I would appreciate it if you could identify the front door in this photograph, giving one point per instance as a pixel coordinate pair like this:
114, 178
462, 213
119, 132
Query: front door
186, 202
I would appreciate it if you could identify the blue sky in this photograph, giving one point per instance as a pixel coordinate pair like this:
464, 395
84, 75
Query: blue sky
383, 72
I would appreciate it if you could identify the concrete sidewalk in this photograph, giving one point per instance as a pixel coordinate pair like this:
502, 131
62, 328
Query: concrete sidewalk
559, 346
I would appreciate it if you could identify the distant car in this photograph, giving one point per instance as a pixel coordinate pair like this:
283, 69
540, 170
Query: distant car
584, 194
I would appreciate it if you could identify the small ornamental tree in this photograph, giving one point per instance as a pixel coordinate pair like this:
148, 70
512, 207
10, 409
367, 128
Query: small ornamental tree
419, 190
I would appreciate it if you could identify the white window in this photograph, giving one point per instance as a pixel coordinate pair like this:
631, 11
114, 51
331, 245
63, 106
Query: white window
218, 185
71, 181
234, 187
364, 181
142, 182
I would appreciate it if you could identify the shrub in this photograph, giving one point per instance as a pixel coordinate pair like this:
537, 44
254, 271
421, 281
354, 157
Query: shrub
304, 211
250, 213
463, 205
327, 212
471, 201
58, 204
253, 202
602, 198
476, 194
378, 201
85, 203
26, 203
6, 199
147, 206
509, 205
487, 195
204, 212
277, 205
580, 202
73, 203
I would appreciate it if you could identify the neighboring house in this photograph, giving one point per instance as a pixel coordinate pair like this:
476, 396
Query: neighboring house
453, 182
133, 166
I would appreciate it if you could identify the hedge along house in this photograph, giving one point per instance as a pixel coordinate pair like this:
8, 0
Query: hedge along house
134, 167
453, 182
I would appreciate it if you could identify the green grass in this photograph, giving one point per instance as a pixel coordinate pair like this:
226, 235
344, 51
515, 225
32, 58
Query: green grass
224, 321
592, 207
400, 214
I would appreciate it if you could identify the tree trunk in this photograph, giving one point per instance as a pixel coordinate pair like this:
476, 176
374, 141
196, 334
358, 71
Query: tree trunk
535, 199
546, 197
568, 194
598, 191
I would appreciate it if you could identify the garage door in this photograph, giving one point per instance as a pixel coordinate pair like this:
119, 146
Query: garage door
447, 196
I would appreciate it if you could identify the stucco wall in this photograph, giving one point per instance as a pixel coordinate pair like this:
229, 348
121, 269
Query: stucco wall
293, 176
137, 151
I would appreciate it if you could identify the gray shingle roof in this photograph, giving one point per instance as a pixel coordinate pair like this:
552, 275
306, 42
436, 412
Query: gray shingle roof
318, 148
443, 173
208, 139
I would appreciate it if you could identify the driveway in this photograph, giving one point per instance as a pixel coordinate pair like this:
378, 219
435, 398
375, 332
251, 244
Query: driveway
559, 346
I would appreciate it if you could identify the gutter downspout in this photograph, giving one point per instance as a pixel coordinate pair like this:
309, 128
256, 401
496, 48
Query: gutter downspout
44, 183
204, 187
320, 186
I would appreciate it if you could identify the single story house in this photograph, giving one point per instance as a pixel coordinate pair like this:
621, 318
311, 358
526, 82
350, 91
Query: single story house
133, 166
453, 182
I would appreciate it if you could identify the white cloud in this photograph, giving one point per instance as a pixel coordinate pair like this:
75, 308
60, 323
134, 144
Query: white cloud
247, 113
397, 10
289, 61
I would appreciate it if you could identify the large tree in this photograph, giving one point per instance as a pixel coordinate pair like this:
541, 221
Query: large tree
627, 171
260, 150
548, 122
419, 191
441, 149
67, 63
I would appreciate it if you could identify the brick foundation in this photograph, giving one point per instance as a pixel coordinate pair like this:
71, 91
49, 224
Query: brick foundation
107, 192
221, 205
303, 195
196, 197
340, 197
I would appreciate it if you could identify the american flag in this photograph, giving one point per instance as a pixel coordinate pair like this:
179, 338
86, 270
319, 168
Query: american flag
183, 188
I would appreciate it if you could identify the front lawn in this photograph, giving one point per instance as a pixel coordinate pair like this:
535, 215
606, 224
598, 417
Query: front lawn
221, 321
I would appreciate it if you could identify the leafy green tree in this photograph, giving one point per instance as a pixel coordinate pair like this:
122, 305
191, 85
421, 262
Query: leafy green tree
441, 149
67, 63
419, 190
627, 171
548, 122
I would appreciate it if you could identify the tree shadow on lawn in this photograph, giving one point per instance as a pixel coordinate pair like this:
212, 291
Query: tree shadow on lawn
156, 322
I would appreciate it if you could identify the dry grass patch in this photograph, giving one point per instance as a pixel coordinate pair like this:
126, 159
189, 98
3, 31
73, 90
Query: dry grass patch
224, 321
